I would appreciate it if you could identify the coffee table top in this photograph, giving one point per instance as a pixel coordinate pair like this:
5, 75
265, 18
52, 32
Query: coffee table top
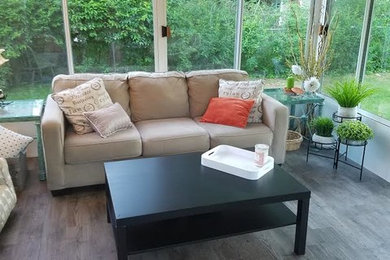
174, 186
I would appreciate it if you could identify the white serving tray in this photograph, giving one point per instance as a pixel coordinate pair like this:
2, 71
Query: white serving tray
236, 161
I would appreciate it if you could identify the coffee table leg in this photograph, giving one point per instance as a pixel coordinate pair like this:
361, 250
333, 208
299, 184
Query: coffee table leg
108, 213
301, 228
121, 242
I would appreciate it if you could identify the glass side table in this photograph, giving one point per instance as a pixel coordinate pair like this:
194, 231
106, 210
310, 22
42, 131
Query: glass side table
27, 111
293, 100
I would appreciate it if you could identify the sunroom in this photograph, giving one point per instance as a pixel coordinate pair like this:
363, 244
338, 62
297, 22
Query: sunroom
348, 42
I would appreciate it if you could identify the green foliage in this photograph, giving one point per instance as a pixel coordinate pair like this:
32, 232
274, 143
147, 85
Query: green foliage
27, 25
269, 37
346, 40
111, 33
354, 130
117, 35
322, 126
378, 59
349, 93
202, 34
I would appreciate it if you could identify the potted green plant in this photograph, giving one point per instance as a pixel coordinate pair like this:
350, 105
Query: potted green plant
323, 131
354, 132
348, 95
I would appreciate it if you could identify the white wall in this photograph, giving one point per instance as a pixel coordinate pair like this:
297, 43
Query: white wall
377, 159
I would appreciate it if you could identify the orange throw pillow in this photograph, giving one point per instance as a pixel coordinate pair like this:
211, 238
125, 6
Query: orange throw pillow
228, 111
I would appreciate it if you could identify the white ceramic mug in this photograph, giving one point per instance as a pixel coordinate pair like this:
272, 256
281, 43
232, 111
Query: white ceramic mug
261, 153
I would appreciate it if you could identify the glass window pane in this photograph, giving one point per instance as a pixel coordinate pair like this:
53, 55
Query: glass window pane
111, 36
269, 35
346, 40
378, 62
202, 34
32, 35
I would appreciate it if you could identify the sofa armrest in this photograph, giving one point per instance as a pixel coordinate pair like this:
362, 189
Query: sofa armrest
275, 116
53, 137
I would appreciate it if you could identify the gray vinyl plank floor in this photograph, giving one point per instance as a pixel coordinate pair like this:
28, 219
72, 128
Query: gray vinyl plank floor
348, 219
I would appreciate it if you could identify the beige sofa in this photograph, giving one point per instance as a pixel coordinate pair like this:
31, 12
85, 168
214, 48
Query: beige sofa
165, 109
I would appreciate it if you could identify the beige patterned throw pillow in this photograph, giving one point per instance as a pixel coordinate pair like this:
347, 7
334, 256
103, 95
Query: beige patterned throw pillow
109, 120
11, 143
244, 90
89, 96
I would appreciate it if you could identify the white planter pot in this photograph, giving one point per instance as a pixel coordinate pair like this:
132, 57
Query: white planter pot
347, 111
327, 142
353, 142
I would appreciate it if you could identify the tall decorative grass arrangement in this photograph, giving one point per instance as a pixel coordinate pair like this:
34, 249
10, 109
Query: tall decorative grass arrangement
322, 126
315, 58
349, 93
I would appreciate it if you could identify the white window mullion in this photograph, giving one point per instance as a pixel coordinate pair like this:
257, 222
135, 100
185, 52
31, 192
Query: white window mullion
238, 35
160, 43
68, 40
364, 41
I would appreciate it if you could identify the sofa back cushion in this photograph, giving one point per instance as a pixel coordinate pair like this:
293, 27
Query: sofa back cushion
116, 85
158, 95
203, 85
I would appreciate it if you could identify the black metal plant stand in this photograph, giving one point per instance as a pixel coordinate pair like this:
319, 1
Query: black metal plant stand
317, 148
348, 143
339, 119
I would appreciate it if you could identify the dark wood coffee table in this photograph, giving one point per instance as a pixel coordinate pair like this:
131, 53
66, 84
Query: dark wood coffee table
165, 201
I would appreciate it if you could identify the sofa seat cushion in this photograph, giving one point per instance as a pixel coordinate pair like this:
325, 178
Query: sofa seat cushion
92, 148
253, 133
172, 136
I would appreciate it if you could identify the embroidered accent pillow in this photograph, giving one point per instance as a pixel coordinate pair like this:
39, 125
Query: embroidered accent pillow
87, 97
244, 90
228, 111
109, 120
11, 143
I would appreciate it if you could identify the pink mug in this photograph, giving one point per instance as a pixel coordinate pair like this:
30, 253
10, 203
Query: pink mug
261, 153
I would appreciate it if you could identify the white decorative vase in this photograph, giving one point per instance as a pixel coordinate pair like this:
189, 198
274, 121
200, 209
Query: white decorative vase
327, 142
347, 111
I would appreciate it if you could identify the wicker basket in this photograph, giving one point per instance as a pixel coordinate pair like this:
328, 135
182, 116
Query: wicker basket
294, 140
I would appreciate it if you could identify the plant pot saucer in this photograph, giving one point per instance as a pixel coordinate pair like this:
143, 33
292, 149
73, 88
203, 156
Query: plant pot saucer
288, 91
293, 91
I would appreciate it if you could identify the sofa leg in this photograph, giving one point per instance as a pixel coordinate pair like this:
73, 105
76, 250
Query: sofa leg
56, 193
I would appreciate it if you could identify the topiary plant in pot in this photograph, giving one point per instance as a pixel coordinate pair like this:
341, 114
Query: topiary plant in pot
354, 132
323, 128
348, 95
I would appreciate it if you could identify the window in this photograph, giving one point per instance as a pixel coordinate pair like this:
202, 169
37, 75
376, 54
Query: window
202, 34
269, 35
111, 35
378, 61
32, 35
346, 41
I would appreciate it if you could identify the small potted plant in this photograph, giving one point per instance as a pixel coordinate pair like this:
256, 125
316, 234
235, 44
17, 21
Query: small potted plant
354, 132
348, 95
323, 128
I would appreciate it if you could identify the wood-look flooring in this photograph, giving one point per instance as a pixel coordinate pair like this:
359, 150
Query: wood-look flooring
348, 219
